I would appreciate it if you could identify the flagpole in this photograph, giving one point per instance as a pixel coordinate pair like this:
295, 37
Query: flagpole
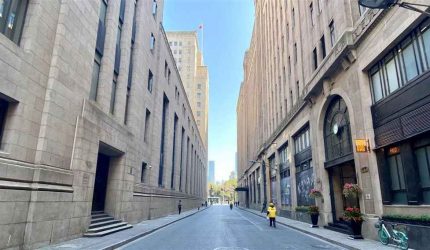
203, 35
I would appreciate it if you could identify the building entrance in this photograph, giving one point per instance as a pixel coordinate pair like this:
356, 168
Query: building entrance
339, 176
100, 182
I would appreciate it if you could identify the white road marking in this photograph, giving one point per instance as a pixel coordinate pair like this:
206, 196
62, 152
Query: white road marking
250, 221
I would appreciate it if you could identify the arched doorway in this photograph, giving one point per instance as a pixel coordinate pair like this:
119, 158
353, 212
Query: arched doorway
339, 156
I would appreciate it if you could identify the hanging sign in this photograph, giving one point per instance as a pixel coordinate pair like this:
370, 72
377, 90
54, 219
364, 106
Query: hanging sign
362, 145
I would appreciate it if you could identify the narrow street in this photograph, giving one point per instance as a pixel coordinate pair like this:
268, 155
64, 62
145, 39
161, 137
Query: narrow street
221, 228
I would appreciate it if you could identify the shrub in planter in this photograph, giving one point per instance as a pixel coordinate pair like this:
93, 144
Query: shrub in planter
354, 216
315, 193
423, 220
314, 212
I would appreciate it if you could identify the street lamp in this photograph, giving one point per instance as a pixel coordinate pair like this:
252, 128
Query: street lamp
386, 4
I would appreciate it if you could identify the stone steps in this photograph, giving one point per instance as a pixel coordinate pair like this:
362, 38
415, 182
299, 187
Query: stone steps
102, 224
339, 227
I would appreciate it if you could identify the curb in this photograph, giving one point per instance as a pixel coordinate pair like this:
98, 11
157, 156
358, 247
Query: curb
307, 232
126, 241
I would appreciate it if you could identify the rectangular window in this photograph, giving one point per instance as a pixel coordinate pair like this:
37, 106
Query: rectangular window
425, 43
162, 143
422, 156
311, 12
12, 15
376, 84
154, 8
409, 60
150, 81
293, 17
172, 176
199, 95
391, 74
289, 65
143, 172
199, 86
295, 53
397, 177
127, 100
4, 106
315, 58
152, 42
322, 47
95, 77
147, 122
332, 33
199, 104
113, 94
198, 113
297, 89
165, 68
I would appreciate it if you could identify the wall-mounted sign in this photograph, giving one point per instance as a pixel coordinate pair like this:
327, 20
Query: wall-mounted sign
394, 150
362, 145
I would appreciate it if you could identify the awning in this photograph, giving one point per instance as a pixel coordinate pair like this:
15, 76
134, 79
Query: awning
241, 189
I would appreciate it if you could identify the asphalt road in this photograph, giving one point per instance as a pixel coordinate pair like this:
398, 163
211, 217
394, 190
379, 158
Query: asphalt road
219, 228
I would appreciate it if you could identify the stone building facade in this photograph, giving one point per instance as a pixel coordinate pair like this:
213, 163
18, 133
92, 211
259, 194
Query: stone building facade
194, 74
94, 116
319, 75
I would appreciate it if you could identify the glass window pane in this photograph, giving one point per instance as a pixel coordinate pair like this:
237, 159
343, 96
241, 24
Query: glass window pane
410, 62
426, 45
395, 185
401, 173
390, 68
423, 168
94, 81
377, 86
103, 9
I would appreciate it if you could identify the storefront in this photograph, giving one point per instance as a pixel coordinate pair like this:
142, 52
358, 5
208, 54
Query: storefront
304, 167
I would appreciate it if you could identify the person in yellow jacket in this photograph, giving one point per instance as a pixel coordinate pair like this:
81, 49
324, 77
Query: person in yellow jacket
271, 213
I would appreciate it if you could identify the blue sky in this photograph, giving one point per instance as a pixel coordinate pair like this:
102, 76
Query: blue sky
227, 33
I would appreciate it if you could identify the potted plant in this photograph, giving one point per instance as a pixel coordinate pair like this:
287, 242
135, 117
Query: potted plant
315, 193
314, 212
355, 218
351, 190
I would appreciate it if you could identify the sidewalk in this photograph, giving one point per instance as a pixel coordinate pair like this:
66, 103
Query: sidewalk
325, 234
121, 238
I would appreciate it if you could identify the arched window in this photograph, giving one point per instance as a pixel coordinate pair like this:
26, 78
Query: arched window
337, 131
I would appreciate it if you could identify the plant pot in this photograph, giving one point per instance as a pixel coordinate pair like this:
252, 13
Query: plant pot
314, 219
356, 229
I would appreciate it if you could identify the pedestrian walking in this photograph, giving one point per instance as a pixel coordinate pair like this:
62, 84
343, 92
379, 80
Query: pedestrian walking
206, 203
231, 205
271, 213
179, 206
264, 206
238, 203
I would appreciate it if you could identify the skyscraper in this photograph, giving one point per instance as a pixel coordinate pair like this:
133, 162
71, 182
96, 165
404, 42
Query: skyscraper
194, 75
211, 172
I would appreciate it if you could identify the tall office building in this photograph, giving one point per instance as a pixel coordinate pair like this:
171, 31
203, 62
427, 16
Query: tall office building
335, 93
94, 121
194, 75
211, 172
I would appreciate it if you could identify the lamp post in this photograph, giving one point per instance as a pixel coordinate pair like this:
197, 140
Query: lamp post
386, 4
